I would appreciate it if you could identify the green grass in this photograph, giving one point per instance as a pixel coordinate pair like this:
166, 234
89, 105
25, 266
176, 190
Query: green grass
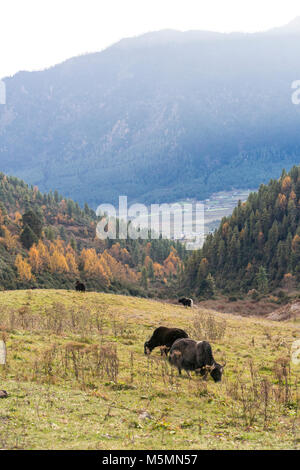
58, 399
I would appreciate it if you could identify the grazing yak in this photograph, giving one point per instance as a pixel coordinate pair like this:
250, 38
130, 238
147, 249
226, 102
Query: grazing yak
191, 355
165, 337
79, 286
186, 302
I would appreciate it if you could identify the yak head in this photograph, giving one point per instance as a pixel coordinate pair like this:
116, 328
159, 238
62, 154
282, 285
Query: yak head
147, 349
216, 371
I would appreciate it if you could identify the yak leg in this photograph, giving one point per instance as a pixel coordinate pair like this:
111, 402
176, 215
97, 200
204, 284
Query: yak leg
164, 350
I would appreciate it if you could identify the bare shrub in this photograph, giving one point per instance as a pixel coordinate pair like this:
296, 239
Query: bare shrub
265, 392
207, 327
282, 373
77, 360
55, 318
259, 399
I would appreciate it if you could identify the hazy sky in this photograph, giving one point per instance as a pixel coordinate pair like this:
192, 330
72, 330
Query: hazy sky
35, 34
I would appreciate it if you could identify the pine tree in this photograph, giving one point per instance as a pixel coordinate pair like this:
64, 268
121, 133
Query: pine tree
150, 271
262, 280
144, 278
28, 237
34, 221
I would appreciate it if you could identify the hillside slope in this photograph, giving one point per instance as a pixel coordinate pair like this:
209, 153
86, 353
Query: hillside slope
77, 377
49, 241
258, 246
159, 117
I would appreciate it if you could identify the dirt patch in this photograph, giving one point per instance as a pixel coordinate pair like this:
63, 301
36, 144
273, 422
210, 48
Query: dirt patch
246, 307
287, 312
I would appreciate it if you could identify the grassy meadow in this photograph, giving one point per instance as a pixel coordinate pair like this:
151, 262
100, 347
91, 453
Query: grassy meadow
77, 377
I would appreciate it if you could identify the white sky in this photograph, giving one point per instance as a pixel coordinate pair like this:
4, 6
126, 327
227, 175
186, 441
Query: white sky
35, 34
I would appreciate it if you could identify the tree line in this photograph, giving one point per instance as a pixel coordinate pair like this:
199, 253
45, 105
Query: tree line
257, 247
48, 241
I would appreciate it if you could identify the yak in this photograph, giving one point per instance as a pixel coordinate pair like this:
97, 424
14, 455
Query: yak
165, 337
79, 286
195, 356
186, 302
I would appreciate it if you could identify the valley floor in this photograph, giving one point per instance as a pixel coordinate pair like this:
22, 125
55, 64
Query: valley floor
77, 377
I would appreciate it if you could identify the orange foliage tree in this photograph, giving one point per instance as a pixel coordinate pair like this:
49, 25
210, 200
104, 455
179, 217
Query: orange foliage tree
8, 240
172, 263
24, 269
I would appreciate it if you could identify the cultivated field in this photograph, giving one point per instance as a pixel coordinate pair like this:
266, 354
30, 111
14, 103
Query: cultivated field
77, 377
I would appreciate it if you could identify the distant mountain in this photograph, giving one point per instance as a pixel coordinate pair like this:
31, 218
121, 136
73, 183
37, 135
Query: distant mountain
162, 116
293, 27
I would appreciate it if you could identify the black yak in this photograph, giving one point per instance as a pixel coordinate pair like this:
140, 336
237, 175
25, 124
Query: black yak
79, 286
165, 337
192, 355
186, 302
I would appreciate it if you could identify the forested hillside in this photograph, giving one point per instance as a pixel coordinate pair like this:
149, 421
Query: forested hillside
49, 241
160, 117
257, 247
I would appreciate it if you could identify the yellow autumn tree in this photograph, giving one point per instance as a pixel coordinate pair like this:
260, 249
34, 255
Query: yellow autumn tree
129, 274
118, 270
8, 239
281, 201
296, 243
24, 269
18, 217
1, 217
115, 250
286, 184
59, 246
35, 259
112, 264
58, 263
158, 270
120, 254
125, 256
105, 266
95, 266
71, 262
44, 254
147, 261
103, 273
172, 263
89, 260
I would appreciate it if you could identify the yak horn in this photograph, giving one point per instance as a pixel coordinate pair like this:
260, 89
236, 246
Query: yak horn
223, 365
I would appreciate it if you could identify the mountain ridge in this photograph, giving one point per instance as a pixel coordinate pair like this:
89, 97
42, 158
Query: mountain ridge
158, 122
